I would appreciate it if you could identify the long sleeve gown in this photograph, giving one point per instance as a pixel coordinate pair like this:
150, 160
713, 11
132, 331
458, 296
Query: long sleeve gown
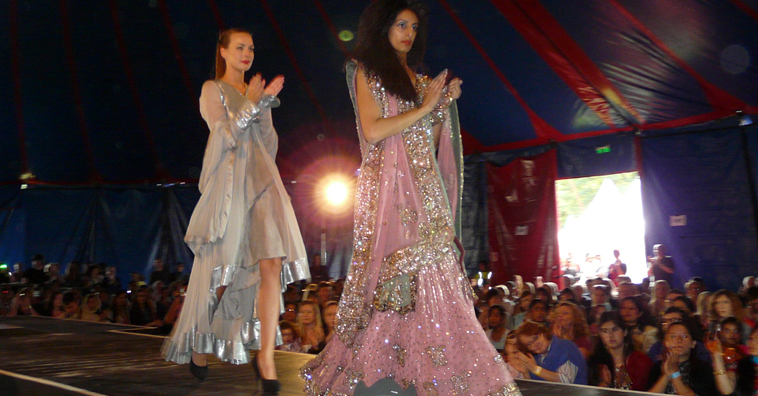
244, 215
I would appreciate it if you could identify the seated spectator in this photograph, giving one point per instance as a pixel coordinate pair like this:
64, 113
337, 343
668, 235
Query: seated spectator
290, 311
538, 312
497, 329
569, 322
681, 372
95, 275
291, 341
688, 306
143, 313
742, 379
601, 295
611, 289
505, 300
512, 362
639, 323
685, 304
330, 313
582, 296
325, 293
627, 289
22, 303
703, 302
483, 315
519, 312
111, 281
71, 309
310, 326
54, 305
750, 314
172, 315
292, 294
671, 296
694, 287
614, 363
725, 304
118, 311
91, 308
658, 299
672, 315
567, 294
530, 286
53, 272
730, 337
550, 358
545, 293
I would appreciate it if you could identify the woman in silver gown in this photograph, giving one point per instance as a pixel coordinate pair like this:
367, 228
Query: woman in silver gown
243, 231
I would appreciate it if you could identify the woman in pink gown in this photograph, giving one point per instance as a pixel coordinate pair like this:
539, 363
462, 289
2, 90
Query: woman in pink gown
407, 309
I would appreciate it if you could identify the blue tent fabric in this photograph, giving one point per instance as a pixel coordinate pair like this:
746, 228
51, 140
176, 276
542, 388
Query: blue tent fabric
703, 177
124, 227
588, 157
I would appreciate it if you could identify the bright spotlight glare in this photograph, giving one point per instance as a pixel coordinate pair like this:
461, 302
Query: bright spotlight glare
336, 193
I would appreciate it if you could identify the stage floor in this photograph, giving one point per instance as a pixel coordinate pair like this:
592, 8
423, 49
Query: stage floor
52, 357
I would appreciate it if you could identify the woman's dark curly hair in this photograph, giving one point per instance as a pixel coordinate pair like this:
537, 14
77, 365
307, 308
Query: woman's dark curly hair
374, 51
601, 356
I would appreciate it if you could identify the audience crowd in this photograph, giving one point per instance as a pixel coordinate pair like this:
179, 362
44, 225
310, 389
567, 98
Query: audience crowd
606, 332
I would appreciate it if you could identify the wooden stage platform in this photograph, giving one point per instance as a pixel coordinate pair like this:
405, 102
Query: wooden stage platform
53, 357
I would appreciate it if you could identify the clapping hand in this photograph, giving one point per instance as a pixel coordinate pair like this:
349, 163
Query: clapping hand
275, 86
434, 91
454, 88
527, 360
671, 365
255, 88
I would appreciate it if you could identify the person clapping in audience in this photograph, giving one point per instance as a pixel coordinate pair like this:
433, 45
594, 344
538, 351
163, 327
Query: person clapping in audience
550, 358
310, 326
681, 372
742, 378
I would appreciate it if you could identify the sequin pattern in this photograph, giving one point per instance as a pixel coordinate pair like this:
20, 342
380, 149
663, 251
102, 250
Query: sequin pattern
431, 388
460, 383
401, 352
437, 355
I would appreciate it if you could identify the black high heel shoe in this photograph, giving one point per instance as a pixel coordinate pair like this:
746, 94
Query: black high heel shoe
270, 387
201, 373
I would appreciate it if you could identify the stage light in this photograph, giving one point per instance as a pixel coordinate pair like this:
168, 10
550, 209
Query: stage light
336, 193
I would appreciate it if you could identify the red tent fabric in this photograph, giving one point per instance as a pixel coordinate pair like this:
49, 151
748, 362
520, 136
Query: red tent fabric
523, 219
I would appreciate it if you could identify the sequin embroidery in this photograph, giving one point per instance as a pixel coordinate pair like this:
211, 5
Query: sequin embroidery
437, 354
401, 353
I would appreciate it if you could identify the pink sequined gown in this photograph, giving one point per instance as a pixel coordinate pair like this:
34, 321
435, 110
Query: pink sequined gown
406, 312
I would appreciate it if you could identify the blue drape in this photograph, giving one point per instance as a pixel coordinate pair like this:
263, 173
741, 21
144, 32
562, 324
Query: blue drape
703, 176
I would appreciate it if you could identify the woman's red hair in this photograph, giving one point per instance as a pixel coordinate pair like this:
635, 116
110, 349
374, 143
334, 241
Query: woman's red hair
223, 42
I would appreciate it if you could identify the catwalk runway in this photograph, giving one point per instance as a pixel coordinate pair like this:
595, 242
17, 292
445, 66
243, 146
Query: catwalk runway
53, 357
